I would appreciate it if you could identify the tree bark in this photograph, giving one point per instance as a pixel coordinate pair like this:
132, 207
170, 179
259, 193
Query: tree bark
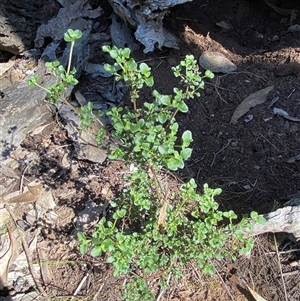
19, 21
286, 219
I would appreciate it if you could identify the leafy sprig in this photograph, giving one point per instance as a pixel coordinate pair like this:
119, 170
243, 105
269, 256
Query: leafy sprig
65, 79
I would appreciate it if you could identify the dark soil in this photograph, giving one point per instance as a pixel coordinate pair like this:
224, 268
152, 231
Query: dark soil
251, 161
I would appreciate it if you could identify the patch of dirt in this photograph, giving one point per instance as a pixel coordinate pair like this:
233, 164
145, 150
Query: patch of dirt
251, 161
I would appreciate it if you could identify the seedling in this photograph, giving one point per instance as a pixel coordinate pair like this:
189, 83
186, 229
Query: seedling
152, 228
64, 79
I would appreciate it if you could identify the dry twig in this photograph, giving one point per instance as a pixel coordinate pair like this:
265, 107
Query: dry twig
280, 269
225, 285
162, 291
26, 251
81, 283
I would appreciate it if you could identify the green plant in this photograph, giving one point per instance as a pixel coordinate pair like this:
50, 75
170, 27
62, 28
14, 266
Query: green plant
152, 228
64, 79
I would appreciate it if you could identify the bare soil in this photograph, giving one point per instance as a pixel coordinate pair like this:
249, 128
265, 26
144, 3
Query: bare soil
253, 162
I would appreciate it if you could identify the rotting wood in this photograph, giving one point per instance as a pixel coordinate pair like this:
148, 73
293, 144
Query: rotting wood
286, 219
19, 21
147, 17
23, 109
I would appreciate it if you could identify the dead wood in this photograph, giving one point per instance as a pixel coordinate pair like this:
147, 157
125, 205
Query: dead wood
286, 219
19, 21
147, 17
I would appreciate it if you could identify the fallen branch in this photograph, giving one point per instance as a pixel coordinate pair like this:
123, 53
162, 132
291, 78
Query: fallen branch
286, 219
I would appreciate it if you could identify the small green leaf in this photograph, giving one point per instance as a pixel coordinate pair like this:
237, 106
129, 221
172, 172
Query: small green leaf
219, 257
48, 65
71, 80
182, 107
107, 245
162, 117
109, 68
131, 64
209, 269
186, 153
146, 153
113, 53
187, 138
144, 68
116, 154
141, 122
126, 53
83, 248
121, 213
258, 218
209, 74
110, 259
174, 127
189, 58
149, 81
163, 149
254, 215
118, 125
134, 127
175, 163
137, 148
81, 236
73, 71
106, 48
165, 100
72, 35
96, 251
33, 81
61, 68
261, 220
230, 214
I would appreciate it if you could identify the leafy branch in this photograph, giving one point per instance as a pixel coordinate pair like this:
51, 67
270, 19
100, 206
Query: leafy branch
65, 79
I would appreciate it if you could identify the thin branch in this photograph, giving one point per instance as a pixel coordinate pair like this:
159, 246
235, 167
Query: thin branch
96, 297
283, 252
81, 284
22, 178
162, 291
280, 269
225, 285
268, 141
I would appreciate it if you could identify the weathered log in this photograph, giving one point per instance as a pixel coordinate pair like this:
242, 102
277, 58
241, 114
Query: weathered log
22, 110
286, 219
147, 17
19, 21
78, 15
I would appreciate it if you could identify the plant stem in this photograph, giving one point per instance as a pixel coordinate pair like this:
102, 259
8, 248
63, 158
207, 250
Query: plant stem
70, 57
41, 87
135, 112
175, 113
173, 116
158, 188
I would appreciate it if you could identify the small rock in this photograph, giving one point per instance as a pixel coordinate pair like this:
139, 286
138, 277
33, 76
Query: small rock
248, 118
216, 62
